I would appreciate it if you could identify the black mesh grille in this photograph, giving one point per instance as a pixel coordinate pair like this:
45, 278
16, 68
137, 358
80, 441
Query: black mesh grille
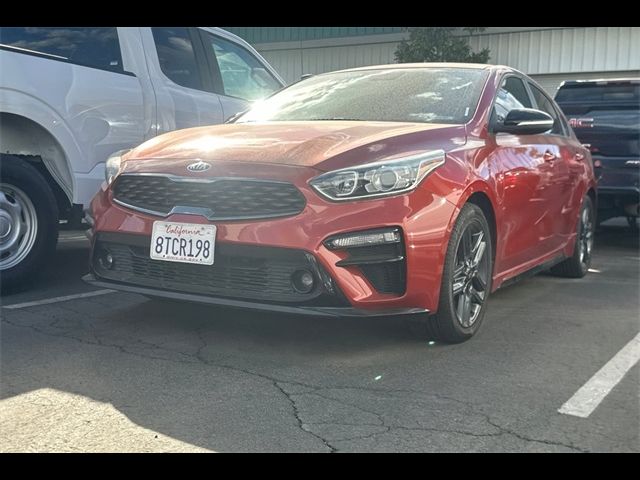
226, 198
239, 271
385, 276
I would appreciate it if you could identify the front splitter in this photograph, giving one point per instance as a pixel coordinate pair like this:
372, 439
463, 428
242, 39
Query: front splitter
227, 302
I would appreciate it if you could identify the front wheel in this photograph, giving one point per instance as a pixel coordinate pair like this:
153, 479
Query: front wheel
466, 279
28, 222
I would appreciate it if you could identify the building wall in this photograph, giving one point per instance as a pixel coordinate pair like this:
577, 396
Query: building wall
548, 54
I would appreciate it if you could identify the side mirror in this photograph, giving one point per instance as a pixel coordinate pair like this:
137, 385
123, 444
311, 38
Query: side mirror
525, 121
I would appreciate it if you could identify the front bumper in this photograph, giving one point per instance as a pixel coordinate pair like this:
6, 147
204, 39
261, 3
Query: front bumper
424, 218
227, 302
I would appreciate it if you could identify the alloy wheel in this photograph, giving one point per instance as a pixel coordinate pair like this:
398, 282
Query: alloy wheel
585, 241
471, 275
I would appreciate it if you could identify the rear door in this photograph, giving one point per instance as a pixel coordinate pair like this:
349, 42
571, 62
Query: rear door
565, 166
180, 74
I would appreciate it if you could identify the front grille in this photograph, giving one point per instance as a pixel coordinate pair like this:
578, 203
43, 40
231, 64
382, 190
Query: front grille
219, 198
239, 271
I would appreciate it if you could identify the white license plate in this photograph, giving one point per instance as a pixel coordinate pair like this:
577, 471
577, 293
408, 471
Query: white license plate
183, 242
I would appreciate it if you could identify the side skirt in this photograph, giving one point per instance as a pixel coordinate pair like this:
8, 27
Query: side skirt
533, 271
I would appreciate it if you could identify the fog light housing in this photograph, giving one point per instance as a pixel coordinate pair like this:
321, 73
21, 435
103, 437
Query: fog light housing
382, 236
302, 281
106, 260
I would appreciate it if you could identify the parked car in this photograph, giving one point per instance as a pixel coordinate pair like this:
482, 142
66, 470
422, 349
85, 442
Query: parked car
605, 115
401, 189
70, 97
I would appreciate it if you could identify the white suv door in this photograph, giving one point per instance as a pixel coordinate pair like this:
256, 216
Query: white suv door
187, 79
181, 78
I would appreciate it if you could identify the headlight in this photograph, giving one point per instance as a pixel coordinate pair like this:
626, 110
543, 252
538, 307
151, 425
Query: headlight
112, 166
388, 177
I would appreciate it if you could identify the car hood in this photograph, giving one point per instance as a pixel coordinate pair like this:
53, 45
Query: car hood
323, 145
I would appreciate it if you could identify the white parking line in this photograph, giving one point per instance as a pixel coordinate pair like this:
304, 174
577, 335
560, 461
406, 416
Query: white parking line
75, 238
46, 301
589, 396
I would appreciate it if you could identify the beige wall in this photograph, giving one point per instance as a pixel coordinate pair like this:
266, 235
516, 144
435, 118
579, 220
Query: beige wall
550, 54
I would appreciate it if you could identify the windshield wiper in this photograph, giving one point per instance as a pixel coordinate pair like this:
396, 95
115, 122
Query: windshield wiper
335, 119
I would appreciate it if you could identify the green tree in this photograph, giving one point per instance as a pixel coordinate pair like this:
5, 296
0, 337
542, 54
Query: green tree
440, 44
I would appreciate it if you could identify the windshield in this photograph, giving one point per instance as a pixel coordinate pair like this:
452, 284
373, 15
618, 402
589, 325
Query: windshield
426, 95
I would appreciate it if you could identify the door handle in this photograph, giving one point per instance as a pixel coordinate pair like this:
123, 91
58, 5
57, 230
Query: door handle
549, 156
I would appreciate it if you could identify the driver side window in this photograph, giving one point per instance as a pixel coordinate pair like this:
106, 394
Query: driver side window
512, 95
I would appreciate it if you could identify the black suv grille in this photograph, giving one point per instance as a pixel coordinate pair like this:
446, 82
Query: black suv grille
223, 199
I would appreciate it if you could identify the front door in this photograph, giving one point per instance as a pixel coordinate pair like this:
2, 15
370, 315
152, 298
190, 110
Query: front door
525, 167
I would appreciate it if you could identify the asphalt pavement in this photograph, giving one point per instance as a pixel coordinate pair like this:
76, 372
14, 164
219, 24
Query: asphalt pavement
119, 372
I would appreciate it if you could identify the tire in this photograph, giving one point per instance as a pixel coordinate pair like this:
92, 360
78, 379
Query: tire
447, 325
578, 264
28, 222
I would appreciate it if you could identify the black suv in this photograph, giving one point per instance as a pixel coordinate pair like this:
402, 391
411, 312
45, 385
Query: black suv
605, 115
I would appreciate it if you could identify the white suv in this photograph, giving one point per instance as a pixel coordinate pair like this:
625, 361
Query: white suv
70, 97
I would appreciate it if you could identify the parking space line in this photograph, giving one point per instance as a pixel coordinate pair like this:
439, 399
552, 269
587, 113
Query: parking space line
46, 301
73, 239
589, 396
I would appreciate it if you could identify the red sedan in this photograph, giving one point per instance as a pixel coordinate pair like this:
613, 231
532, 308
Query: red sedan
401, 189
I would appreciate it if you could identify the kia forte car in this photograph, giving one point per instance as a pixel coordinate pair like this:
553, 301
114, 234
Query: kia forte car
412, 189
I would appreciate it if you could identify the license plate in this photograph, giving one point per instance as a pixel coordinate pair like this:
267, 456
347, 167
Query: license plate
183, 242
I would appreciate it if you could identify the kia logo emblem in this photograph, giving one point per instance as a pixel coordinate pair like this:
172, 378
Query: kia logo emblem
199, 166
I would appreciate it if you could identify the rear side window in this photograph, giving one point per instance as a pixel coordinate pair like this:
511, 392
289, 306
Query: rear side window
176, 56
588, 93
243, 75
547, 106
88, 46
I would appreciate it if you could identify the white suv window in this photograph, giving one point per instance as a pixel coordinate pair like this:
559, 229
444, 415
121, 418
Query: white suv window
177, 56
243, 75
95, 47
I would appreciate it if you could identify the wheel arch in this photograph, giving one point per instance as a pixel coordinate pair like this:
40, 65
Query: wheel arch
32, 143
481, 195
30, 127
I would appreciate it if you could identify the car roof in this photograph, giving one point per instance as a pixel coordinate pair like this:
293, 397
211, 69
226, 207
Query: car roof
389, 66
